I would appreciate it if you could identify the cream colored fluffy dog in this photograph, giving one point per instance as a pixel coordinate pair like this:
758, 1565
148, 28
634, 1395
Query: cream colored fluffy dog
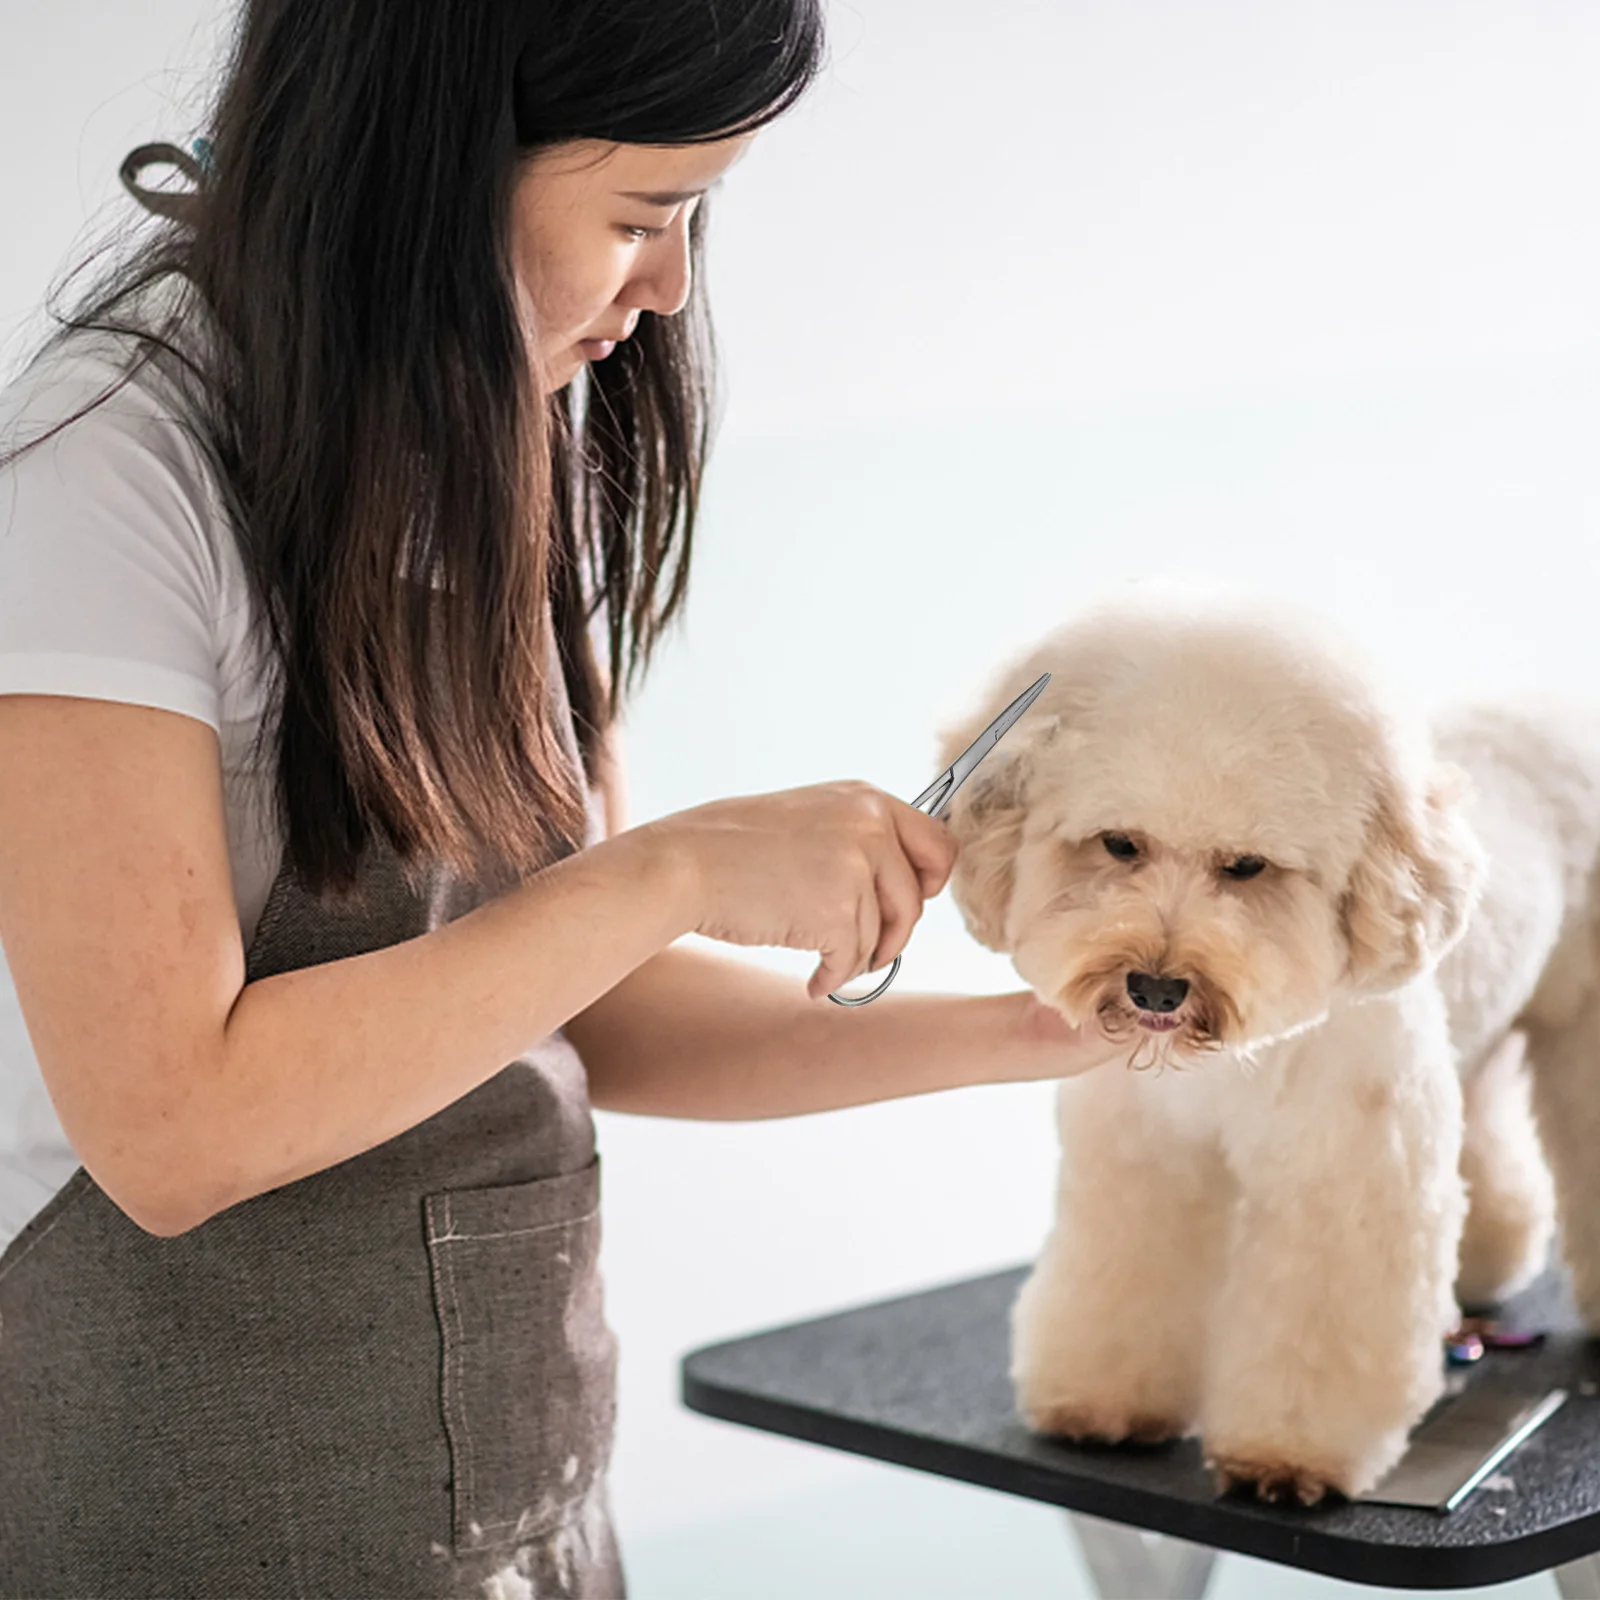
1355, 940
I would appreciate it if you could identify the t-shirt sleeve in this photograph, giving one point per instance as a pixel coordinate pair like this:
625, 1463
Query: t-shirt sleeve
109, 580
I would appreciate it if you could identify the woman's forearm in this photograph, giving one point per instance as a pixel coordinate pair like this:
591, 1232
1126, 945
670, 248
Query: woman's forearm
694, 1034
421, 1023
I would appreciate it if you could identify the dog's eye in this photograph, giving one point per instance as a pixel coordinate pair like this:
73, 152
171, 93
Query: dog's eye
1245, 867
1121, 846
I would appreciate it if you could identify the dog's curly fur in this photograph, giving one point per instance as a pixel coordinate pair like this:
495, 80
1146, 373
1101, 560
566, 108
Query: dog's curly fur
1262, 1235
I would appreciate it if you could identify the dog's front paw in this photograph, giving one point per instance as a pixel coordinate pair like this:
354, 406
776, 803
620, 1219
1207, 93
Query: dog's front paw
1308, 1465
1085, 1422
1275, 1479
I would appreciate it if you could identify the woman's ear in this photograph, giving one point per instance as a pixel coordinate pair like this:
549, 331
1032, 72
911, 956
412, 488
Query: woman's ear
1415, 884
986, 817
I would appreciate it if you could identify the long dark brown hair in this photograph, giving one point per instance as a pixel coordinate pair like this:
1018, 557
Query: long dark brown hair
403, 498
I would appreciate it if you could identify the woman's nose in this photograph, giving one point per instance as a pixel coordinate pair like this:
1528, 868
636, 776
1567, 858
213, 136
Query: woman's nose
663, 286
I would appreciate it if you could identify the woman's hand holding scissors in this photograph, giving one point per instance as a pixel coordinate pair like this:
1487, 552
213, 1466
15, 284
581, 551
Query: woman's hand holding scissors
840, 868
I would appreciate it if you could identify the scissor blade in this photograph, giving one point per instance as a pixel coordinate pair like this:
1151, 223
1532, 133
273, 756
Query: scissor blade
938, 794
961, 768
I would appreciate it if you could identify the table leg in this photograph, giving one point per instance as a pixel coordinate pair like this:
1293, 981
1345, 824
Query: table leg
1125, 1562
1579, 1580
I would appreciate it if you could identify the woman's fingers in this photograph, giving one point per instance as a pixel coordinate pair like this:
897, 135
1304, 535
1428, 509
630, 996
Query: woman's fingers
900, 894
928, 845
855, 926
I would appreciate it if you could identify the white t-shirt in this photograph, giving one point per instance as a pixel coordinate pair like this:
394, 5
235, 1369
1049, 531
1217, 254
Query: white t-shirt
120, 579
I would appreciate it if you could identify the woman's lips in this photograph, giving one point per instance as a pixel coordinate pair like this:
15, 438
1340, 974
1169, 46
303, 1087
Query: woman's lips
596, 349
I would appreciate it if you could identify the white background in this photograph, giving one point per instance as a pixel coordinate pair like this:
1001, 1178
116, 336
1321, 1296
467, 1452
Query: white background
1027, 298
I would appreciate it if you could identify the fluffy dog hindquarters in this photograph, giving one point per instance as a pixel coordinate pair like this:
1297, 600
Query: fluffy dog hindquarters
1527, 978
1511, 1197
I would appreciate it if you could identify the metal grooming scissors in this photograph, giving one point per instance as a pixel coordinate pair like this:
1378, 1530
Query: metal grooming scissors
942, 790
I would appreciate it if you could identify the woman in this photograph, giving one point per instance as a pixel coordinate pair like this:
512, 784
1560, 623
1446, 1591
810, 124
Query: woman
303, 746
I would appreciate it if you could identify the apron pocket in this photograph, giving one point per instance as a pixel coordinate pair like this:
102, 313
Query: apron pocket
529, 1366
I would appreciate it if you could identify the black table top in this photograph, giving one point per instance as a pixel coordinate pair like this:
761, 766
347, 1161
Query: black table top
922, 1381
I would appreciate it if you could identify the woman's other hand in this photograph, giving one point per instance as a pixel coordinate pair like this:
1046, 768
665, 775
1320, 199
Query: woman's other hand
1043, 1037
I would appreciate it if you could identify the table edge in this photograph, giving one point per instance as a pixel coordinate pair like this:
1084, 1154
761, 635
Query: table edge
1302, 1546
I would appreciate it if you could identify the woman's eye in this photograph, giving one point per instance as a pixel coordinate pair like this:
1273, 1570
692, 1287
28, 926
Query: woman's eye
639, 235
1245, 867
1121, 846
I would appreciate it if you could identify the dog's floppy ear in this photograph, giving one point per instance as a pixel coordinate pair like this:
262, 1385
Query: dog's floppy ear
1414, 885
986, 817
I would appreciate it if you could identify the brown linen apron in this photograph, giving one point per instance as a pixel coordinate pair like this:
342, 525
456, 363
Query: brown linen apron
390, 1378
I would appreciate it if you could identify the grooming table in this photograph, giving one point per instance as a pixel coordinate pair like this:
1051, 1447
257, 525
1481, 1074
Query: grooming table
922, 1381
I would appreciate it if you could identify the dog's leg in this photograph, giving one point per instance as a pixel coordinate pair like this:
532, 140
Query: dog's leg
1108, 1331
1565, 1065
1328, 1341
1510, 1195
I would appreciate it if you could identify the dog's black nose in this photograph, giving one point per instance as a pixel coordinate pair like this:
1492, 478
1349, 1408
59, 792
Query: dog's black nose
1151, 993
